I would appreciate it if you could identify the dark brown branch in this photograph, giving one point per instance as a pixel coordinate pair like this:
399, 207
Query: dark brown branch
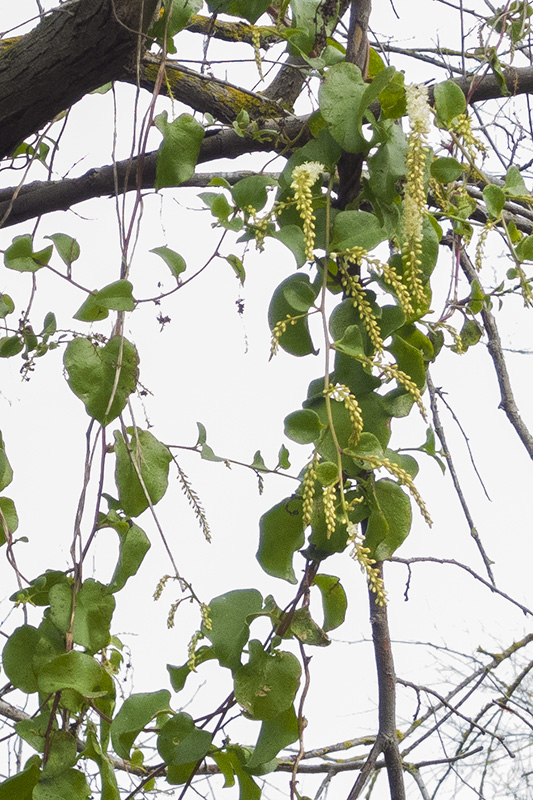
387, 738
42, 197
75, 49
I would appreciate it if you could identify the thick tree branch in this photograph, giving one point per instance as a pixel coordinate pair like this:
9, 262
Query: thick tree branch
203, 93
232, 31
75, 49
42, 197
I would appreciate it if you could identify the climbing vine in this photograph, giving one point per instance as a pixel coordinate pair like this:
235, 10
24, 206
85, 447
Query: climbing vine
359, 300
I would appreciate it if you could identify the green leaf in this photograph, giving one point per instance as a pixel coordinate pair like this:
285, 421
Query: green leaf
306, 630
179, 150
373, 90
494, 198
275, 734
351, 343
178, 675
92, 375
258, 462
392, 98
296, 339
470, 333
21, 786
514, 183
70, 785
340, 96
37, 593
251, 192
303, 426
10, 346
6, 473
524, 251
283, 458
450, 102
176, 17
281, 535
73, 670
142, 454
181, 742
17, 658
49, 325
390, 519
327, 473
224, 762
446, 170
368, 445
62, 754
300, 295
230, 628
218, 204
387, 165
34, 730
7, 306
116, 296
237, 266
20, 256
404, 460
409, 358
173, 260
497, 68
134, 544
268, 683
248, 789
304, 22
334, 601
292, 236
93, 611
93, 750
67, 247
248, 9
135, 713
356, 229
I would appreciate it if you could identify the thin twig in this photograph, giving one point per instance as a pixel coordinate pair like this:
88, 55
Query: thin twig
437, 424
494, 347
453, 562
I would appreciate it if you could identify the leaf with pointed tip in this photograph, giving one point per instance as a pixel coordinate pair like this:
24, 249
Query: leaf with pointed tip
281, 535
267, 684
102, 377
135, 713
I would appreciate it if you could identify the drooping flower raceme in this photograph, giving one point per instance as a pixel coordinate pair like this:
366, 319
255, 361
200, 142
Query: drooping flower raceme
304, 176
414, 203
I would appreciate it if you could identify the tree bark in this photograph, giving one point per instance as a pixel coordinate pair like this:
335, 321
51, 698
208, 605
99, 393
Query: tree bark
74, 50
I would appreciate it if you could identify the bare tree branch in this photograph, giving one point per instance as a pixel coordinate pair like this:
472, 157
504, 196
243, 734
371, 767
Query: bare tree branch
494, 346
452, 562
439, 429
